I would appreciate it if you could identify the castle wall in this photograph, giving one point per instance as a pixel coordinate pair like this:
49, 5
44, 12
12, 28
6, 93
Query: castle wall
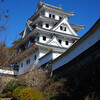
41, 38
26, 67
44, 25
78, 49
42, 52
55, 55
57, 16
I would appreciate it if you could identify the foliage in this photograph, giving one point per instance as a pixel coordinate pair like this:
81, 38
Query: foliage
17, 41
10, 86
6, 55
3, 17
6, 95
93, 96
30, 94
54, 88
16, 92
21, 80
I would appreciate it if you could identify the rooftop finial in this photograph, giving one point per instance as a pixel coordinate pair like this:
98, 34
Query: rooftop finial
40, 1
60, 6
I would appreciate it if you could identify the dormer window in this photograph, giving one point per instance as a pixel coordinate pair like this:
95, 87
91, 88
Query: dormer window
61, 27
50, 15
66, 42
47, 25
59, 41
64, 28
60, 18
44, 38
21, 64
53, 16
37, 38
27, 61
34, 57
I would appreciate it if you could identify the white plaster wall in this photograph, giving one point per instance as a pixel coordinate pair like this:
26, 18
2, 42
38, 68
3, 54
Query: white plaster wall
67, 30
27, 67
63, 44
64, 23
88, 42
55, 55
44, 25
42, 52
41, 38
56, 15
46, 14
3, 71
45, 59
49, 57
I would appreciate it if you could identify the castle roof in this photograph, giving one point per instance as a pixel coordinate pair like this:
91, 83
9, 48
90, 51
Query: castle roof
38, 29
43, 6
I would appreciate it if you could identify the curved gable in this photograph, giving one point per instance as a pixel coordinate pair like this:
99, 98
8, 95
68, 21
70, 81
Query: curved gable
64, 23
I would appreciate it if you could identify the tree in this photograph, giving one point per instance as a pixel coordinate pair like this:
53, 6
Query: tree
6, 55
3, 17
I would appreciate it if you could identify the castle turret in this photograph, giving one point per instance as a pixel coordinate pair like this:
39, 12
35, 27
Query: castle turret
47, 30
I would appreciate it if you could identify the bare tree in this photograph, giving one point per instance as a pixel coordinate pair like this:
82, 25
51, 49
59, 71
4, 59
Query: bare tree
3, 17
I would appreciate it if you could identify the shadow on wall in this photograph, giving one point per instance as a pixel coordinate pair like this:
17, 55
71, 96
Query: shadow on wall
83, 76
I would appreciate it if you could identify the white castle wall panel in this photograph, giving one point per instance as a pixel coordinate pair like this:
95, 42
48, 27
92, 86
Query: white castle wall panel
41, 38
45, 59
27, 67
88, 42
55, 55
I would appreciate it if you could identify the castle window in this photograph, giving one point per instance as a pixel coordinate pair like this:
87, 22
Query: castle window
47, 25
61, 27
27, 61
21, 64
59, 41
53, 16
66, 42
64, 28
41, 25
50, 15
44, 38
37, 38
35, 57
59, 18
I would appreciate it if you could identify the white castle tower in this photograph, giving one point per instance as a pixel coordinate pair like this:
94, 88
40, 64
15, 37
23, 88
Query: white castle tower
46, 36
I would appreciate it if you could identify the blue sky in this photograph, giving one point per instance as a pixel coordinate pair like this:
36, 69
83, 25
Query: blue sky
87, 12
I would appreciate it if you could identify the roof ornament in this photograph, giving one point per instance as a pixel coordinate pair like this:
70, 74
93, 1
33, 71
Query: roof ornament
40, 1
60, 6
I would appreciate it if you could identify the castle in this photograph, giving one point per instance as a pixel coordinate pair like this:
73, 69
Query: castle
46, 36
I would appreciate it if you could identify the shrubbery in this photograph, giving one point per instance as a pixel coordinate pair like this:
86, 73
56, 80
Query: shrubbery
54, 88
30, 94
10, 86
33, 79
6, 95
16, 92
